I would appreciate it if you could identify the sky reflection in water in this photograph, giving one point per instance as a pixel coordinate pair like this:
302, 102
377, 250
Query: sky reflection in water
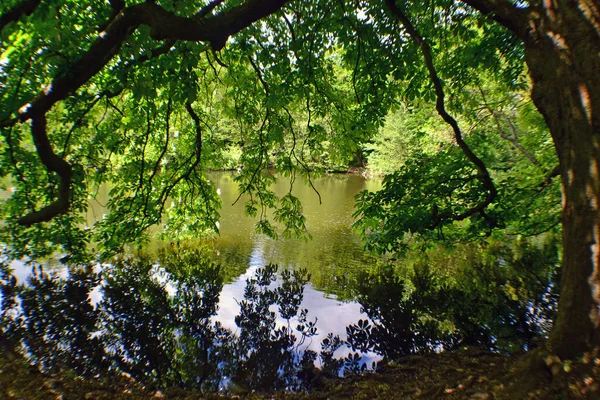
194, 325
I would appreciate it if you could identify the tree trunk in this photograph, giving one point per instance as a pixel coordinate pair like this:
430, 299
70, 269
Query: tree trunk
563, 56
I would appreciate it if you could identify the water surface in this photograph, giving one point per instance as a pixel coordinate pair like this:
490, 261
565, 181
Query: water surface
178, 319
332, 254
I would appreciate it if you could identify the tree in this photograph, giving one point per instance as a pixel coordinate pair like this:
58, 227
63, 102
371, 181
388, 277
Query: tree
121, 80
558, 39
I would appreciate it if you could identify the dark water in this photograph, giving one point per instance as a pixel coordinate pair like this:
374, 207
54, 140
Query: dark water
249, 313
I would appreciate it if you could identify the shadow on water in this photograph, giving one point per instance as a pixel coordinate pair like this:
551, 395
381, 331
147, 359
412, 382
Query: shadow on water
155, 319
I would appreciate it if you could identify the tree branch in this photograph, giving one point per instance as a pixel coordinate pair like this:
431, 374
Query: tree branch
260, 76
26, 7
484, 175
514, 139
117, 5
506, 14
164, 26
196, 119
53, 163
550, 176
176, 178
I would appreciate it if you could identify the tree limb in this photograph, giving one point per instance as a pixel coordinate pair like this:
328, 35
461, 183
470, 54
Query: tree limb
26, 7
484, 175
515, 19
550, 176
117, 5
514, 139
196, 119
53, 163
164, 26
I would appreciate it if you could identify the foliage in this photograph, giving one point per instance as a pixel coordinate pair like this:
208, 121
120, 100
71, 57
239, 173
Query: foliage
407, 131
497, 297
434, 178
153, 120
298, 91
144, 98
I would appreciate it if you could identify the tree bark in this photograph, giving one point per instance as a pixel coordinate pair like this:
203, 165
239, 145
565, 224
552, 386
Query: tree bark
562, 51
563, 58
25, 7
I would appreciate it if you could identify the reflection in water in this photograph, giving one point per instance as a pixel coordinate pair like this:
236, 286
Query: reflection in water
334, 250
333, 257
178, 319
156, 320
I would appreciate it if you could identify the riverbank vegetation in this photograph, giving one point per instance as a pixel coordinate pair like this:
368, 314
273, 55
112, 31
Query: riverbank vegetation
469, 374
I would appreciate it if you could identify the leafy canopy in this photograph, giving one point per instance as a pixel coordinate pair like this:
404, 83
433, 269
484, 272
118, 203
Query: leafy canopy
145, 98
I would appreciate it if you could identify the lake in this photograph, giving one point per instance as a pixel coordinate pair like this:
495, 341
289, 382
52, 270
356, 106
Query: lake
332, 258
246, 311
334, 248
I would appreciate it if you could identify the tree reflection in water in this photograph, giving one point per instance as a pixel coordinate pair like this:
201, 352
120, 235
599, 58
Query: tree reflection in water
424, 313
156, 322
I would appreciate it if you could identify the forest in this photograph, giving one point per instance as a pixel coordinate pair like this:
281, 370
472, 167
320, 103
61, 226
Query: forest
433, 166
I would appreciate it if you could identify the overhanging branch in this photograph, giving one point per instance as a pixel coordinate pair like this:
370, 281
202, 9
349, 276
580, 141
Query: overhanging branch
483, 175
164, 25
207, 9
26, 7
53, 163
505, 13
511, 138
